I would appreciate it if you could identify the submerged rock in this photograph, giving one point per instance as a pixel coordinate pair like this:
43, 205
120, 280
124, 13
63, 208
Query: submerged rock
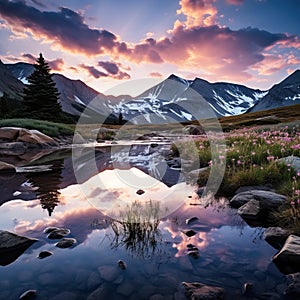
287, 259
66, 243
200, 291
12, 246
30, 294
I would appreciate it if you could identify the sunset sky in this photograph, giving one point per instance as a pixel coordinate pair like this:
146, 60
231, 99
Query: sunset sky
107, 42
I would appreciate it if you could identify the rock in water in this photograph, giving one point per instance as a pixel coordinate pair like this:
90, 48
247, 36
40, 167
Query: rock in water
30, 294
44, 254
50, 229
288, 258
122, 264
58, 233
12, 246
191, 220
66, 243
140, 192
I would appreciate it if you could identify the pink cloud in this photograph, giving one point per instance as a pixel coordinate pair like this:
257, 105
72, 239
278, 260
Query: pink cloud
56, 64
198, 12
197, 45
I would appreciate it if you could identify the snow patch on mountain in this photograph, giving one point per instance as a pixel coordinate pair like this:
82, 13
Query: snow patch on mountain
294, 98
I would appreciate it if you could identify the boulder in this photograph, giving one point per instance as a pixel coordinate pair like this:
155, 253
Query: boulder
276, 236
250, 210
9, 133
12, 246
4, 167
293, 161
200, 291
31, 138
268, 200
287, 259
34, 137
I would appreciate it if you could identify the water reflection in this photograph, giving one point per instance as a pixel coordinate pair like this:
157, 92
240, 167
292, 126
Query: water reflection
48, 185
156, 253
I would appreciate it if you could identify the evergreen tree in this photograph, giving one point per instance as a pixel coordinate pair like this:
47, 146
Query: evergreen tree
41, 95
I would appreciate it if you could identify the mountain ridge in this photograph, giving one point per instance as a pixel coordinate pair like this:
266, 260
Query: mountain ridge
174, 99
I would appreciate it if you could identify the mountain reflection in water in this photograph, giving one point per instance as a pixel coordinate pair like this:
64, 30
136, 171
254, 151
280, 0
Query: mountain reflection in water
230, 252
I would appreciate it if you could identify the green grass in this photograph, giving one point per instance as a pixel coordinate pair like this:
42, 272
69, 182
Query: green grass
49, 128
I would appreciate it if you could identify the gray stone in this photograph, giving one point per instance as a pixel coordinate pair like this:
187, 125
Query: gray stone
58, 233
293, 161
287, 259
268, 200
66, 243
276, 236
250, 210
200, 291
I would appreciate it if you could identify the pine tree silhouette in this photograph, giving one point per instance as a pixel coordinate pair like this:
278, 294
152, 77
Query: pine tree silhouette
40, 95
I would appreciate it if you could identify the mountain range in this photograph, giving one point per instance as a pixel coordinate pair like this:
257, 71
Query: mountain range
173, 100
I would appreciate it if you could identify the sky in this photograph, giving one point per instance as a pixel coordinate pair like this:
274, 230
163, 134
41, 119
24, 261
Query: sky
108, 43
